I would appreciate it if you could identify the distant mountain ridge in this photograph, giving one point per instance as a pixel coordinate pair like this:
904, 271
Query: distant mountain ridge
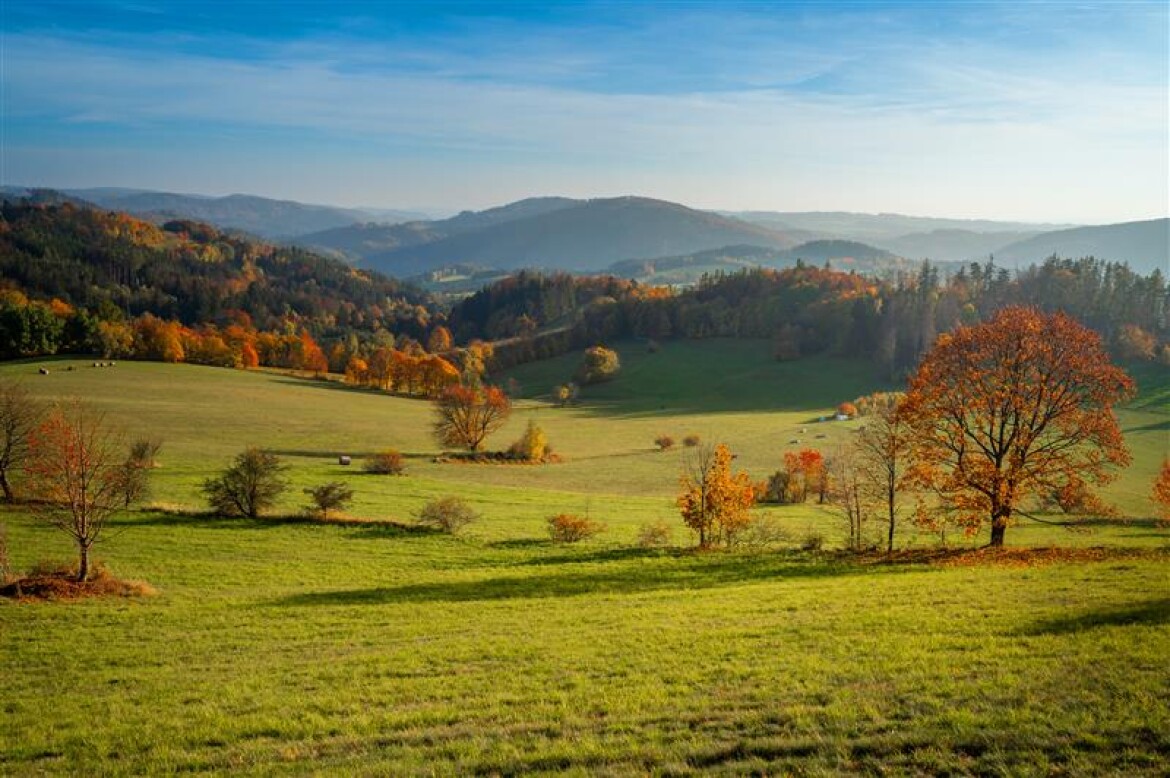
261, 216
585, 236
1143, 245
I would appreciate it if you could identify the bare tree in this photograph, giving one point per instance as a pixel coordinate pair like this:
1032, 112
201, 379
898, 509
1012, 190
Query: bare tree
847, 491
20, 413
883, 449
76, 467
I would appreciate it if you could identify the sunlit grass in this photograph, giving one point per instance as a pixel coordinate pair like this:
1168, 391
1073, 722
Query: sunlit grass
287, 646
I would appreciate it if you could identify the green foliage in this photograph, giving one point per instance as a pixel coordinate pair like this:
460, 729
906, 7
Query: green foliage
447, 514
333, 496
251, 484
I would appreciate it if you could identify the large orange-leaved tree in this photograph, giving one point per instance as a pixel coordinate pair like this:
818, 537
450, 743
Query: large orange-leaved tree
466, 415
1019, 405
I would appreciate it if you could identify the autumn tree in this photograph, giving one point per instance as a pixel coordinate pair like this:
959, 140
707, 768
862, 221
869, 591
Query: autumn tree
465, 415
1161, 493
598, 364
252, 483
76, 472
1019, 405
440, 340
20, 413
714, 502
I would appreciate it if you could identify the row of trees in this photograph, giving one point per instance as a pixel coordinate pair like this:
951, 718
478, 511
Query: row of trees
808, 310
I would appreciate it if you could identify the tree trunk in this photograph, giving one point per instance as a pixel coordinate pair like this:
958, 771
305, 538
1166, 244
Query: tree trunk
8, 496
893, 517
998, 527
82, 562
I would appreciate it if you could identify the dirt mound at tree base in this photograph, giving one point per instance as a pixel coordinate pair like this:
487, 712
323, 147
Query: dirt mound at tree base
60, 584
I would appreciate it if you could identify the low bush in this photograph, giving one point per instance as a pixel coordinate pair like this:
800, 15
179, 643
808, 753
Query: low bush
656, 534
690, 441
812, 541
664, 442
763, 532
388, 462
570, 528
447, 514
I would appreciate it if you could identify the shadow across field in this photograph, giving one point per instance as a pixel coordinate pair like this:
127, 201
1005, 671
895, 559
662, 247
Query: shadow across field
683, 573
215, 522
1150, 613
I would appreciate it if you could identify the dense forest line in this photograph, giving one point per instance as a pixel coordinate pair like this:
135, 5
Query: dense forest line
81, 280
809, 310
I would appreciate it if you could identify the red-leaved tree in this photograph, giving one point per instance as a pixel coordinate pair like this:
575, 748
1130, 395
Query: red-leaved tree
1019, 405
465, 416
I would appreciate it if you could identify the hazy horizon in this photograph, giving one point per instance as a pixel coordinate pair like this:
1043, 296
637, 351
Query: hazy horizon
1055, 113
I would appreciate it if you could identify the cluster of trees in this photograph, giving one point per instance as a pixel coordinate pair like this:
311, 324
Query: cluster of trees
998, 416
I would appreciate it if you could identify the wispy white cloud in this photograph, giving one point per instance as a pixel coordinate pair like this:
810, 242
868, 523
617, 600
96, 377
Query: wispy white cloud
766, 113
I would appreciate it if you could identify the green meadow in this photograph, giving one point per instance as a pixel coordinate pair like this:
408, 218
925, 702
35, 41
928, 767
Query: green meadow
375, 647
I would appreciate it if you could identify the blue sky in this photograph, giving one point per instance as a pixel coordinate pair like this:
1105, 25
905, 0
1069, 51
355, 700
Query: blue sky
1029, 111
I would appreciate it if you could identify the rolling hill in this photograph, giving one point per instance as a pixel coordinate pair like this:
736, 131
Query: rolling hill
1143, 245
586, 236
260, 216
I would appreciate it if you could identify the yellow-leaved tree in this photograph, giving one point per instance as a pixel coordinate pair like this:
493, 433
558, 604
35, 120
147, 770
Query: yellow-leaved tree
714, 502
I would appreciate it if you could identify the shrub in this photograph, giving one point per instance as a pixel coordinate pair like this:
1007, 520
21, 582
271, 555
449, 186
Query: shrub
334, 495
388, 462
145, 450
812, 541
692, 440
532, 445
761, 533
252, 483
655, 535
664, 442
447, 514
570, 528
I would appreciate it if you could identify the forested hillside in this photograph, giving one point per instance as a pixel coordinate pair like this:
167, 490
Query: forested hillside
76, 279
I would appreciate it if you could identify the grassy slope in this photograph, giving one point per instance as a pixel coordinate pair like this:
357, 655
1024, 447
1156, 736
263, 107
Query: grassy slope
290, 647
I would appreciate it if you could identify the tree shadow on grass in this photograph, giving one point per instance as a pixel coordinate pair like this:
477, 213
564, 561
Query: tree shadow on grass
684, 573
1150, 613
194, 520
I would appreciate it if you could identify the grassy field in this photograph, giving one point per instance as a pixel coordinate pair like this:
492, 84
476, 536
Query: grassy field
280, 646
